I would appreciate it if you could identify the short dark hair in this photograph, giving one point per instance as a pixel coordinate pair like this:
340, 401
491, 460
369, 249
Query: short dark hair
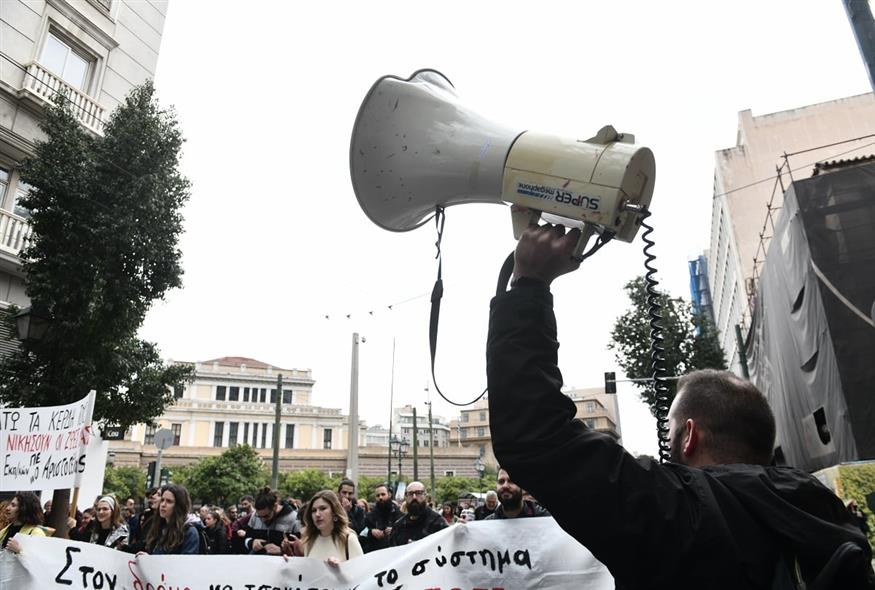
266, 498
247, 497
345, 482
735, 415
30, 511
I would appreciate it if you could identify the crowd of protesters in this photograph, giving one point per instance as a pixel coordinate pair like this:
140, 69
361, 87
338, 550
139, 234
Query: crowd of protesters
333, 526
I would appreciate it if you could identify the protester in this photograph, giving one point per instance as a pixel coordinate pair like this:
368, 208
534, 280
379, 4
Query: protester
326, 532
246, 505
447, 514
512, 503
171, 533
363, 504
232, 512
379, 520
467, 515
269, 524
717, 516
487, 508
25, 517
142, 522
4, 521
355, 514
858, 517
108, 528
217, 535
82, 532
419, 521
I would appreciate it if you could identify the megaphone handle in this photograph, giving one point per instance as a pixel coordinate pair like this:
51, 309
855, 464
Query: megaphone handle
585, 234
521, 218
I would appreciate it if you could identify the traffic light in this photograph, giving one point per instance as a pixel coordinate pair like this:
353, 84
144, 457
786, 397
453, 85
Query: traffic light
610, 382
151, 482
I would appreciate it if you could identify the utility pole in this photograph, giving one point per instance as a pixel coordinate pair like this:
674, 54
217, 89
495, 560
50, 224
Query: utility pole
863, 24
352, 462
415, 447
431, 448
742, 353
275, 464
391, 412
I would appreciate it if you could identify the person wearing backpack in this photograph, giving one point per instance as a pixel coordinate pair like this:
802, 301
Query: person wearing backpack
171, 533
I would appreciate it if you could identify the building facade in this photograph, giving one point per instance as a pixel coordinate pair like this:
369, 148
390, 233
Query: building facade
232, 401
597, 409
402, 426
94, 51
747, 191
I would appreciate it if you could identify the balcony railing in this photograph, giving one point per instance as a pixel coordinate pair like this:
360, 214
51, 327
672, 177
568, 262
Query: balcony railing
44, 84
14, 232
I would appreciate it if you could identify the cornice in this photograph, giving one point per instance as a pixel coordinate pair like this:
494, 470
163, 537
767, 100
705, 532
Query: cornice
84, 23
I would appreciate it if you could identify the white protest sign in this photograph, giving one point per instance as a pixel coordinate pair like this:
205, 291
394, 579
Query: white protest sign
44, 448
486, 555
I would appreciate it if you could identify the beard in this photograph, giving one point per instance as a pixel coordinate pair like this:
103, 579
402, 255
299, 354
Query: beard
415, 509
514, 500
384, 506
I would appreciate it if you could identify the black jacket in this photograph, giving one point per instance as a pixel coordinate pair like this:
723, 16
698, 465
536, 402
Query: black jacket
406, 531
653, 525
530, 509
378, 519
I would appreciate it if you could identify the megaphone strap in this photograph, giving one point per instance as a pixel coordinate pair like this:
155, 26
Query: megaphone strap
437, 293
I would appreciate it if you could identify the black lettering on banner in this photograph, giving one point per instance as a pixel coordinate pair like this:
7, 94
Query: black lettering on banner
220, 587
69, 552
503, 560
440, 560
487, 553
419, 567
521, 557
85, 569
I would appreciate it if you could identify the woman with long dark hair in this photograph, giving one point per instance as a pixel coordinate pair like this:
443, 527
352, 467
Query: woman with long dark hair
170, 532
108, 528
25, 515
217, 535
326, 530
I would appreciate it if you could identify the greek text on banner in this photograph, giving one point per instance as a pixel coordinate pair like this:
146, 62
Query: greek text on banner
44, 448
506, 554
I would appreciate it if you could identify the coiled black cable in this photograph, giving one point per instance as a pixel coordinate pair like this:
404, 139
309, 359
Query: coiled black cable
660, 385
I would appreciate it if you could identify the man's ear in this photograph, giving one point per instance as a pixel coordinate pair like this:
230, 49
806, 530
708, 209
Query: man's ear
692, 438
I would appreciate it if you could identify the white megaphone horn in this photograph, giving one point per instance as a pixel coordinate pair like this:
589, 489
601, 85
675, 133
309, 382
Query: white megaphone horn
416, 147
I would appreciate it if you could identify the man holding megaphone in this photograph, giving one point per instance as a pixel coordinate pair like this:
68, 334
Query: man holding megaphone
716, 516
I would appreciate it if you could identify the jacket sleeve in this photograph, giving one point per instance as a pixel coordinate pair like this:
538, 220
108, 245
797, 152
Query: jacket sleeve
190, 542
632, 515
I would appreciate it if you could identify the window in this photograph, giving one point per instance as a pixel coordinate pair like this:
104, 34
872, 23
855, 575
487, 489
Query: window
463, 432
273, 396
287, 396
465, 416
245, 394
68, 64
20, 193
255, 434
264, 436
290, 436
177, 433
450, 473
150, 436
246, 433
263, 395
220, 393
483, 416
232, 433
589, 422
481, 431
217, 437
178, 391
4, 183
589, 407
233, 394
326, 438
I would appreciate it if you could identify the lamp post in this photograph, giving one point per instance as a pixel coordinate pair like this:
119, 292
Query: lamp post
481, 469
399, 446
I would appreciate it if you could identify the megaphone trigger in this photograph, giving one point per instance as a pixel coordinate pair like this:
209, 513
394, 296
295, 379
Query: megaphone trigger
521, 218
585, 234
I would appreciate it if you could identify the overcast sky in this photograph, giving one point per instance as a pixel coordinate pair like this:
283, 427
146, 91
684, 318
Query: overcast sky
275, 240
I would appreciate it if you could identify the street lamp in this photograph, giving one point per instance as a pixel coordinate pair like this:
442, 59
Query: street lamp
32, 323
399, 446
481, 468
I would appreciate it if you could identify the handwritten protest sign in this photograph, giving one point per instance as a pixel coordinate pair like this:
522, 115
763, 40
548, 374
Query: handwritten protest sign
44, 448
486, 555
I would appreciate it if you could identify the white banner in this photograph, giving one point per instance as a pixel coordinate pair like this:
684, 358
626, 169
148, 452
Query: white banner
485, 555
44, 448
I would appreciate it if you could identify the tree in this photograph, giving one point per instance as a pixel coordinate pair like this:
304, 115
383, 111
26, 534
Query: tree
303, 484
124, 482
449, 488
105, 213
690, 340
224, 479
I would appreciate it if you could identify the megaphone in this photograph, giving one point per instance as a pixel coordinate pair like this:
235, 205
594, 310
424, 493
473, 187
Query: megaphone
415, 147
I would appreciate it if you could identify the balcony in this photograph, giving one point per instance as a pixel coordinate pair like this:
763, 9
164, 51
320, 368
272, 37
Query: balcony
42, 84
14, 232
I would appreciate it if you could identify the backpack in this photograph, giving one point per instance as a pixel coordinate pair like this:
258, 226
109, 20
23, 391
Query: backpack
203, 543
